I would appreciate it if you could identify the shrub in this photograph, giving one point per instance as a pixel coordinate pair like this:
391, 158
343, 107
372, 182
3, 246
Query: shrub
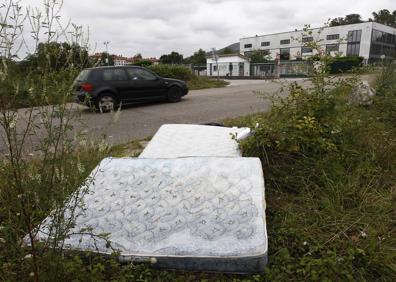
43, 158
330, 171
343, 64
202, 82
172, 71
143, 63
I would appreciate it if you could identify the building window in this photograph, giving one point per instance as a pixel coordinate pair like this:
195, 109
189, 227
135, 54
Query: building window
248, 46
265, 43
333, 37
353, 49
285, 54
307, 39
383, 37
285, 41
305, 50
377, 50
215, 68
332, 48
382, 44
354, 37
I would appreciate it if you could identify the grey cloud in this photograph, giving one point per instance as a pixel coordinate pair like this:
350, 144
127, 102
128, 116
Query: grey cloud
155, 27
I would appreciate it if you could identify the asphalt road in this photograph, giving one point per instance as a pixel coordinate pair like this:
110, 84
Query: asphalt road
198, 107
141, 121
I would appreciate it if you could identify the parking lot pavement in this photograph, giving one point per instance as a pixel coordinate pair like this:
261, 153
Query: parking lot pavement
198, 107
264, 82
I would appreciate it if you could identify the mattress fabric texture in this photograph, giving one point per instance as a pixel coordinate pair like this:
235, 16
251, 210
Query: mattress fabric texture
195, 207
186, 140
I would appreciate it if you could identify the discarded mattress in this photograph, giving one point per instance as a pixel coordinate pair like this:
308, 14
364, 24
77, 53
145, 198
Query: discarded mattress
187, 140
205, 214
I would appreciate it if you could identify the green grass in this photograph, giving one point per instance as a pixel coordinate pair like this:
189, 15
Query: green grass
201, 82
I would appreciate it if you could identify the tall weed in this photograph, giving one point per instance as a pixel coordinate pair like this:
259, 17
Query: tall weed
330, 169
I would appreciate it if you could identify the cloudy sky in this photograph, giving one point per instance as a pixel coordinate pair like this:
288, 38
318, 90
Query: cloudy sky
156, 27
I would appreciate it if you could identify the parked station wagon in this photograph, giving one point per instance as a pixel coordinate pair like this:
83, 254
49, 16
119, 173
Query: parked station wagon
106, 88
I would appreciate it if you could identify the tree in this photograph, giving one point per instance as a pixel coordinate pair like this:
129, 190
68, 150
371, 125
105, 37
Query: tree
104, 57
56, 56
143, 63
227, 51
259, 56
173, 58
198, 59
348, 19
385, 17
138, 56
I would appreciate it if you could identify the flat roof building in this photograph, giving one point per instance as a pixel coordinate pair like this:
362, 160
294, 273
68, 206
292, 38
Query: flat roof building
369, 40
287, 51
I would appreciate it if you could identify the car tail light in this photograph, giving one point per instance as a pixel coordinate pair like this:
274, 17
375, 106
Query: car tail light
87, 87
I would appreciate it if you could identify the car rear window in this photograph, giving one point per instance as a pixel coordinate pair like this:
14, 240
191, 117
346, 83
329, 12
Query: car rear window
136, 73
114, 74
83, 76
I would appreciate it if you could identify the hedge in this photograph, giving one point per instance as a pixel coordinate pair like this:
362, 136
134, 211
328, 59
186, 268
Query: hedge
172, 71
342, 64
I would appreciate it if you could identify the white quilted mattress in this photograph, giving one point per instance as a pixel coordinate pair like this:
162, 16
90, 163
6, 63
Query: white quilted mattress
174, 208
186, 140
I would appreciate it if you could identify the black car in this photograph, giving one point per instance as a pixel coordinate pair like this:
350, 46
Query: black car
106, 88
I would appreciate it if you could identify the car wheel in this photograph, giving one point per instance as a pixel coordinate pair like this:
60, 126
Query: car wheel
106, 103
174, 94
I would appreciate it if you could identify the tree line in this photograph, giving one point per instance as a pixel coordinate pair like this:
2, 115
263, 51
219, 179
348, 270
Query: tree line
73, 55
383, 16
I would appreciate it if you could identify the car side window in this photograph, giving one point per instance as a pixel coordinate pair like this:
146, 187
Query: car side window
114, 74
139, 74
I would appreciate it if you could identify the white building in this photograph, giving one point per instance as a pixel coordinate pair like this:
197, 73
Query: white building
369, 40
118, 62
228, 65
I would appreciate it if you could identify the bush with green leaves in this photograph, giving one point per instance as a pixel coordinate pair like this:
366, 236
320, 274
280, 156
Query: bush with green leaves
143, 63
343, 64
330, 171
172, 71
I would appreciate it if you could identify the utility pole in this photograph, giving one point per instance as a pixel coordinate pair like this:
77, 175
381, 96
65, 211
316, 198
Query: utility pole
107, 51
216, 59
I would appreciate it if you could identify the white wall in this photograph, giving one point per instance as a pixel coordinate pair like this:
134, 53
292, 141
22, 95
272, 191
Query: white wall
224, 64
120, 62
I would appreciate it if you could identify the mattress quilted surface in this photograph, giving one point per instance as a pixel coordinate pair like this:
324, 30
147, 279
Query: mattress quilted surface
199, 207
186, 140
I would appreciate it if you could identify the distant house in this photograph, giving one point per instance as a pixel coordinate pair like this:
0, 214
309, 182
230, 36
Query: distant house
228, 65
120, 60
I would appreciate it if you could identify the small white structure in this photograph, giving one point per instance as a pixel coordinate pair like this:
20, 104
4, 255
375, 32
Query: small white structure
118, 62
228, 65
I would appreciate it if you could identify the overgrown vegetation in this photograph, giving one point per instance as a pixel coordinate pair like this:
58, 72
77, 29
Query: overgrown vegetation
344, 64
43, 159
329, 163
330, 182
183, 73
172, 71
203, 82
